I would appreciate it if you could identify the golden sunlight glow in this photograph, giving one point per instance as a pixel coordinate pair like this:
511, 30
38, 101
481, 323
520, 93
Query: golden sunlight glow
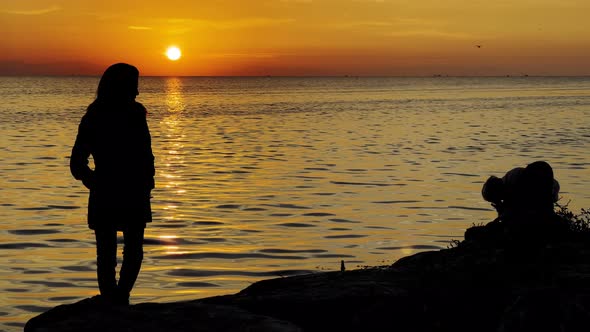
281, 38
173, 53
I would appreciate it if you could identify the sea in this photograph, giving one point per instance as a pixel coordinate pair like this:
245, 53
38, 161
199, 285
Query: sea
268, 177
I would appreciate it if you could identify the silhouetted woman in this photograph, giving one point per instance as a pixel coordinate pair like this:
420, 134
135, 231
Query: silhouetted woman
114, 131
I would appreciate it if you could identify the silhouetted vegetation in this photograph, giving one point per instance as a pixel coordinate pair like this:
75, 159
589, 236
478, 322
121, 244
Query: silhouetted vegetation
579, 223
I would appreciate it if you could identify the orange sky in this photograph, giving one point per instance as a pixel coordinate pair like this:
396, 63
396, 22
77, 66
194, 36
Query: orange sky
297, 37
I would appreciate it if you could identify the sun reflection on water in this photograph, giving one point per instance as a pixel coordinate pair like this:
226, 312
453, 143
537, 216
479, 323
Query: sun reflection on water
174, 99
170, 189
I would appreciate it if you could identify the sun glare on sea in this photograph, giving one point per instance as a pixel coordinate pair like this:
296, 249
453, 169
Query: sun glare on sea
173, 53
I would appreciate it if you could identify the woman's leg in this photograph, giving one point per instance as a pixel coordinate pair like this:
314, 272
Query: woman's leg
106, 260
132, 257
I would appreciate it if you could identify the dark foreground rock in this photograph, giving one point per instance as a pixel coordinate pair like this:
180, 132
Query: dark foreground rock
88, 316
475, 287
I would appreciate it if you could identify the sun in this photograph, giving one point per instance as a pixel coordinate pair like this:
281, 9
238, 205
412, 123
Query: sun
173, 53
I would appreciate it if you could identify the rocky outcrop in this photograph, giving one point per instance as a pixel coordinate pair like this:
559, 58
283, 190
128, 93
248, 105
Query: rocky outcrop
474, 286
89, 316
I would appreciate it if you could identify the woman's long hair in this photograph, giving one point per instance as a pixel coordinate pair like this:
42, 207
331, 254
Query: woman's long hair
119, 83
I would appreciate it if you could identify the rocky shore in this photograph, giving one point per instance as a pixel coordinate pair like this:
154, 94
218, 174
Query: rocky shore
476, 285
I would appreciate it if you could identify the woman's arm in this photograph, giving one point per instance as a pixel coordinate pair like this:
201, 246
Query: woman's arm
150, 167
80, 154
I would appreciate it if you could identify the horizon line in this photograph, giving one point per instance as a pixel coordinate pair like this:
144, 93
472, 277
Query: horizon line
312, 76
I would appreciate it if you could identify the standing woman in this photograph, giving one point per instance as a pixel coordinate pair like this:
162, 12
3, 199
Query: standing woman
114, 131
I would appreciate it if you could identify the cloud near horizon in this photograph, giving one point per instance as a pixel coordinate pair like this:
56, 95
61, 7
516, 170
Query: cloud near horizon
250, 22
42, 11
180, 26
242, 55
135, 27
430, 33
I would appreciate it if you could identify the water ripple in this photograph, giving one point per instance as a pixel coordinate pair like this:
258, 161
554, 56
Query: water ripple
23, 245
223, 255
214, 273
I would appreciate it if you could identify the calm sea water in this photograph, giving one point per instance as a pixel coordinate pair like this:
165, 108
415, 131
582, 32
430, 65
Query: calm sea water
267, 177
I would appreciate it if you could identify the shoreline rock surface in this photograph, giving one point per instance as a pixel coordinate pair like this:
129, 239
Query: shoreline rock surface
473, 286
